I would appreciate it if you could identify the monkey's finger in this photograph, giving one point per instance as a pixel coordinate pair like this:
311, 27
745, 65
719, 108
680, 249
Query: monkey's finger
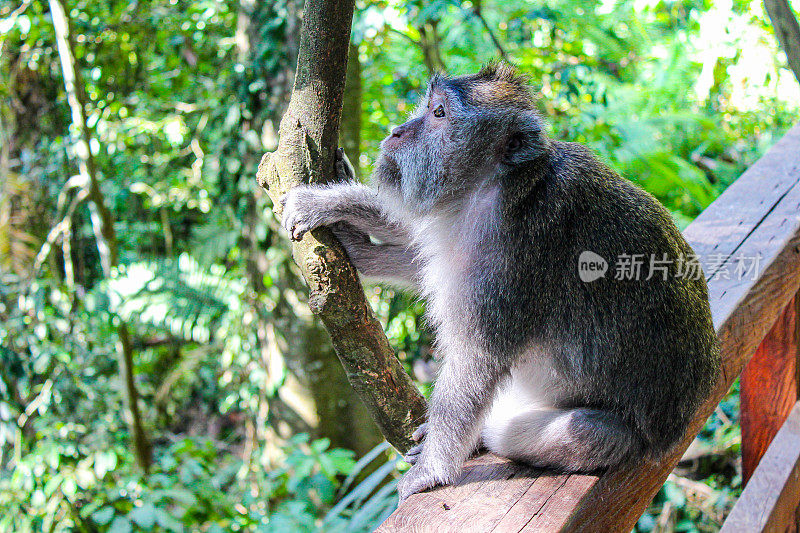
287, 219
297, 233
415, 450
412, 455
420, 432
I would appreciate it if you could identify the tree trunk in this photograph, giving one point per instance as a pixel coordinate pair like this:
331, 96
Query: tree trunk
102, 223
787, 30
306, 154
335, 411
429, 43
341, 416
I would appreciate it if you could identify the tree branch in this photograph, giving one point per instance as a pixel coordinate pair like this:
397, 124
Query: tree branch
306, 154
476, 12
404, 35
788, 31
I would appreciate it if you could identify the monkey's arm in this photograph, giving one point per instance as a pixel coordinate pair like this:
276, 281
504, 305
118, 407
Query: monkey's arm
306, 207
394, 263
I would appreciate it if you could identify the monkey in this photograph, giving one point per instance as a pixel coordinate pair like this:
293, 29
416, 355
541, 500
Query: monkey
476, 209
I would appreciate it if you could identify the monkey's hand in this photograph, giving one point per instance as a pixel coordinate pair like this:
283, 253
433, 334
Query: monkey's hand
344, 169
306, 207
417, 479
303, 210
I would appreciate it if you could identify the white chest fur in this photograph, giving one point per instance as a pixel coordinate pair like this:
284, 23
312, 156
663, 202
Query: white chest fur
448, 244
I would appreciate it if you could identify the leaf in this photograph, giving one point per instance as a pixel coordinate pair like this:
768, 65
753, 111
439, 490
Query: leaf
675, 494
384, 499
166, 521
120, 525
104, 515
363, 462
646, 523
320, 445
104, 462
365, 488
327, 466
144, 516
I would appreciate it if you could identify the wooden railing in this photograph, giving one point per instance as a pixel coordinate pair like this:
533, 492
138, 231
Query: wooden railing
757, 219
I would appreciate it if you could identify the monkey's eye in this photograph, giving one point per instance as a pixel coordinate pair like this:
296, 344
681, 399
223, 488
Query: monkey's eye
514, 143
438, 112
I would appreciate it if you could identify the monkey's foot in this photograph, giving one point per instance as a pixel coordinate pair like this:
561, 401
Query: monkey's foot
417, 479
412, 454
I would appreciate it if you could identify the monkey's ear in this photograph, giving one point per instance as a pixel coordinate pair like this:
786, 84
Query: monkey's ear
525, 142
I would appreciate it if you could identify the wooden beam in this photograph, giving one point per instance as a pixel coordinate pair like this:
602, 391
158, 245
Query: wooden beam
757, 217
769, 388
772, 497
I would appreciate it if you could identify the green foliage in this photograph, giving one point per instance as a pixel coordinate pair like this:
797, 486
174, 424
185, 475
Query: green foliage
632, 80
704, 487
193, 485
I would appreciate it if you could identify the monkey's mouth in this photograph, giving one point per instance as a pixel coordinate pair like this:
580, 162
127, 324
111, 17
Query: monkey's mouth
387, 171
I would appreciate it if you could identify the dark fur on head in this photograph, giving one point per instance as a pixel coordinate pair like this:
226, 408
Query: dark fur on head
497, 84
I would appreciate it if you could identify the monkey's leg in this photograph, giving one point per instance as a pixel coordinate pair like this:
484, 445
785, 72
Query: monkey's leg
394, 263
463, 390
574, 440
306, 207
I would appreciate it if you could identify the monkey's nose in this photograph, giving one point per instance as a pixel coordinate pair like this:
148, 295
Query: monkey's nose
398, 131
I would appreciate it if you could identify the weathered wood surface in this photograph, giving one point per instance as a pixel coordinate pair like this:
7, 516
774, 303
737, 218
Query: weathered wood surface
769, 388
758, 216
771, 499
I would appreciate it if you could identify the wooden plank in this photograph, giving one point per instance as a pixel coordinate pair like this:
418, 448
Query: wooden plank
769, 388
531, 503
771, 499
559, 509
754, 218
487, 483
717, 232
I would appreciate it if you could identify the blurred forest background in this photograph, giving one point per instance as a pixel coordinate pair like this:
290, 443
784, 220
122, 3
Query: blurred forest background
159, 367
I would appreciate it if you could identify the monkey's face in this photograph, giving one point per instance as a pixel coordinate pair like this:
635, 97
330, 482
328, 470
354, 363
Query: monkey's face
416, 156
466, 131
